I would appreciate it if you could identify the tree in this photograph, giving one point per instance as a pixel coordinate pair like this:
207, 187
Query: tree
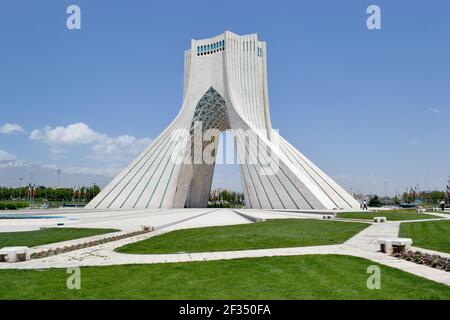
396, 200
375, 202
226, 199
434, 196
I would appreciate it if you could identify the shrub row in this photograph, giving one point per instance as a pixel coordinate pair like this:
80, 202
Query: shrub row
13, 205
431, 260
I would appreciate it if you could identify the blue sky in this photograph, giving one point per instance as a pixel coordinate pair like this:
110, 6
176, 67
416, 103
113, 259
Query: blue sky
366, 106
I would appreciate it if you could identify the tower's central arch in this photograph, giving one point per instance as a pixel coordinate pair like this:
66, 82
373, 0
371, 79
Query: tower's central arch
211, 112
225, 87
209, 120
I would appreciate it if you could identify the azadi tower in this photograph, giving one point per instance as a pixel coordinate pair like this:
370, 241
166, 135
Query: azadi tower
225, 88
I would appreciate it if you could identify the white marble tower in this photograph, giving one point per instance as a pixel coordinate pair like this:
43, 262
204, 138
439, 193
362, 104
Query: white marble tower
225, 88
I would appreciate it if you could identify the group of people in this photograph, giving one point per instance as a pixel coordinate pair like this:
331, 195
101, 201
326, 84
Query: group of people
363, 205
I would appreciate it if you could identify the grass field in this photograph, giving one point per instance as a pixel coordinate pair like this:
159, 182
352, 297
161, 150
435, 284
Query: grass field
52, 235
299, 277
434, 235
390, 215
270, 234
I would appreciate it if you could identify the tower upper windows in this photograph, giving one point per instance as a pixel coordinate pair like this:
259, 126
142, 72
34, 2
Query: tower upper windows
211, 48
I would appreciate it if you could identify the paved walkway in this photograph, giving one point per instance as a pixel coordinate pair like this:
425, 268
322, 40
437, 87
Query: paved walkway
362, 245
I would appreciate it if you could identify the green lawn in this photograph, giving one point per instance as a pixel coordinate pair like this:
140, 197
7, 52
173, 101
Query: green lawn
298, 277
52, 235
270, 234
390, 215
434, 235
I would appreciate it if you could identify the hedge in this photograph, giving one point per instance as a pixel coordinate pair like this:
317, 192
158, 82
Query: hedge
13, 205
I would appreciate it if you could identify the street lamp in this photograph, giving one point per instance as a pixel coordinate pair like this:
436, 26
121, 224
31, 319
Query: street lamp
385, 193
20, 188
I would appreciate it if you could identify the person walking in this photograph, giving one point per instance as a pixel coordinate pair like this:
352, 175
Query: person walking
442, 205
364, 205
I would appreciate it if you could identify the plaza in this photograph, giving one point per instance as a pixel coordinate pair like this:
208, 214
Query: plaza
362, 244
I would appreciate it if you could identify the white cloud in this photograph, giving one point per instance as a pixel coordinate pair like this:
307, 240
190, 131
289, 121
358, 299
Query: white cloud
109, 171
119, 148
6, 155
52, 166
57, 152
434, 110
103, 147
10, 128
73, 134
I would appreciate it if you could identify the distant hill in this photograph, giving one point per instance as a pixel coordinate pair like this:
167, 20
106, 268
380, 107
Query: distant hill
12, 170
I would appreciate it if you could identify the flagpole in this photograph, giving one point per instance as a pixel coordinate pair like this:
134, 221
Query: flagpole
448, 190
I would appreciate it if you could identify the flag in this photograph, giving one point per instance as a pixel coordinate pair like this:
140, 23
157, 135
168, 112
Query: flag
448, 191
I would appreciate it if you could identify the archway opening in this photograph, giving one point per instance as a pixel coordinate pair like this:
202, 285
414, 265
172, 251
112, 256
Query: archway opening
215, 180
226, 187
